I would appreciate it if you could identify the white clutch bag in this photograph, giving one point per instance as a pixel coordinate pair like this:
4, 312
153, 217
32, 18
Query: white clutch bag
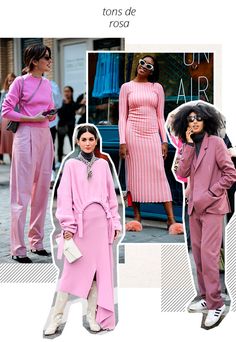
71, 251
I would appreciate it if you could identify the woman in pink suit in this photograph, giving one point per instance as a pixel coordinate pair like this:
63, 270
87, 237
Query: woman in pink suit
206, 161
32, 153
143, 140
87, 211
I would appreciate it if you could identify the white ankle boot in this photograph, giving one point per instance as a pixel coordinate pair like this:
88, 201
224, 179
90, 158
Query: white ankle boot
57, 313
92, 306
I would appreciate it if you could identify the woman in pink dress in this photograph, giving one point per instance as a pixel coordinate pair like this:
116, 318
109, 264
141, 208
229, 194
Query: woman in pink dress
87, 211
143, 140
32, 152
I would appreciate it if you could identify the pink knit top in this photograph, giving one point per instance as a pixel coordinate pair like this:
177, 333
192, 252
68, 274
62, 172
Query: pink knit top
142, 104
41, 101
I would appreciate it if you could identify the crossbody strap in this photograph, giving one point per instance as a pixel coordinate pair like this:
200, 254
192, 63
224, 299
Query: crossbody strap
35, 91
21, 92
22, 88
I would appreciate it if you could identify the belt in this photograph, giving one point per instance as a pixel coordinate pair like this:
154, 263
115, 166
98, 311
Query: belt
79, 219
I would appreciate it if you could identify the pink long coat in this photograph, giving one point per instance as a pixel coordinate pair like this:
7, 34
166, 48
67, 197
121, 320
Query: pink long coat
89, 209
211, 174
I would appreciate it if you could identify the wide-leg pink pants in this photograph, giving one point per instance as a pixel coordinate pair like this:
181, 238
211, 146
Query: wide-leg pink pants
31, 169
206, 239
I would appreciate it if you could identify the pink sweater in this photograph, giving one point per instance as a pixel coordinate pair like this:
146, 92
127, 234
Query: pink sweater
41, 101
142, 105
76, 192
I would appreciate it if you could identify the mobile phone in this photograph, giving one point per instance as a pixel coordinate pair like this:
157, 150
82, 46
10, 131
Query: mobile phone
50, 112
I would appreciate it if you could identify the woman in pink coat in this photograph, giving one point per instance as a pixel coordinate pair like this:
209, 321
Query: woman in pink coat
206, 161
32, 152
87, 211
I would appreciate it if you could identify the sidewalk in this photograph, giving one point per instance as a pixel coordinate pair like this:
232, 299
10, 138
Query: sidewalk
153, 232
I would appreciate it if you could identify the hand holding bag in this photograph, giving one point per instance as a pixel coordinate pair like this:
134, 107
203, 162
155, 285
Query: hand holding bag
71, 250
126, 194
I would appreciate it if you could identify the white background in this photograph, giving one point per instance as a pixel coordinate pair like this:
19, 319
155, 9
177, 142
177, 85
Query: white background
24, 307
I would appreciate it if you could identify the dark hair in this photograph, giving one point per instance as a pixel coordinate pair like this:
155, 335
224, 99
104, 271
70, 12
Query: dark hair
33, 53
72, 92
5, 84
155, 75
87, 128
211, 118
91, 129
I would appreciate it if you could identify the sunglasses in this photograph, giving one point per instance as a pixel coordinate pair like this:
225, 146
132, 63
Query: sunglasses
47, 58
194, 117
148, 66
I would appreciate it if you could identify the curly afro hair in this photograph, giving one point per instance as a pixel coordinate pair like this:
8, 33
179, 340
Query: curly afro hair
211, 118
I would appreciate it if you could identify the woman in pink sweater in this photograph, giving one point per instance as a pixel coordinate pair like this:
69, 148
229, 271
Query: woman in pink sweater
87, 211
32, 153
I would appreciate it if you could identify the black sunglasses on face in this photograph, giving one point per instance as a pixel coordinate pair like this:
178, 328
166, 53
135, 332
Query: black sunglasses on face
47, 58
146, 65
194, 117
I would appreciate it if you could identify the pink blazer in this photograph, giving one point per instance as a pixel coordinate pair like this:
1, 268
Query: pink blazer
211, 174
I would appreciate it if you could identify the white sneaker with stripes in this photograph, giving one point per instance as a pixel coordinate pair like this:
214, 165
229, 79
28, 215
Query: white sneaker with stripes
213, 316
199, 306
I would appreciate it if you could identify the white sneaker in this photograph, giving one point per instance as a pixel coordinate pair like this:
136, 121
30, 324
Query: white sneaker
199, 306
213, 316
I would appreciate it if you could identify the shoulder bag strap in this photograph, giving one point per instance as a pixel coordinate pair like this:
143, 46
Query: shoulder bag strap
34, 91
21, 92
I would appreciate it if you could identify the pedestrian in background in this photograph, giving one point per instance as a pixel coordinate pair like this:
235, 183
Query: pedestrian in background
57, 99
32, 153
6, 136
66, 123
81, 108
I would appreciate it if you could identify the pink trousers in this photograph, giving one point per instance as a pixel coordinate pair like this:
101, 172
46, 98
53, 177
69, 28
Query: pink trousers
206, 239
31, 169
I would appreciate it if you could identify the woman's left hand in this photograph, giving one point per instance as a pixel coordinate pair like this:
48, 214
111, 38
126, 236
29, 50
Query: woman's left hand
164, 148
68, 235
117, 233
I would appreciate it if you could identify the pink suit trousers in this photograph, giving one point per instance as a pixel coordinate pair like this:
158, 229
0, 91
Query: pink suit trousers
206, 238
30, 181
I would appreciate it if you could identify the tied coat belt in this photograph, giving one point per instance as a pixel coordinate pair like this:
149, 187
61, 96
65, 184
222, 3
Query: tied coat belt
79, 219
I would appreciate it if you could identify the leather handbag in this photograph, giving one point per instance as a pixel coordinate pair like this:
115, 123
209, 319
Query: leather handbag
71, 250
12, 126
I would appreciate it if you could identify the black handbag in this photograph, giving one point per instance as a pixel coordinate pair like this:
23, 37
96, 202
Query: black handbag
12, 126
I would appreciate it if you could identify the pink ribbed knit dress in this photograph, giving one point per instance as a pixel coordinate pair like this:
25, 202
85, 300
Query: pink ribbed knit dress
141, 128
